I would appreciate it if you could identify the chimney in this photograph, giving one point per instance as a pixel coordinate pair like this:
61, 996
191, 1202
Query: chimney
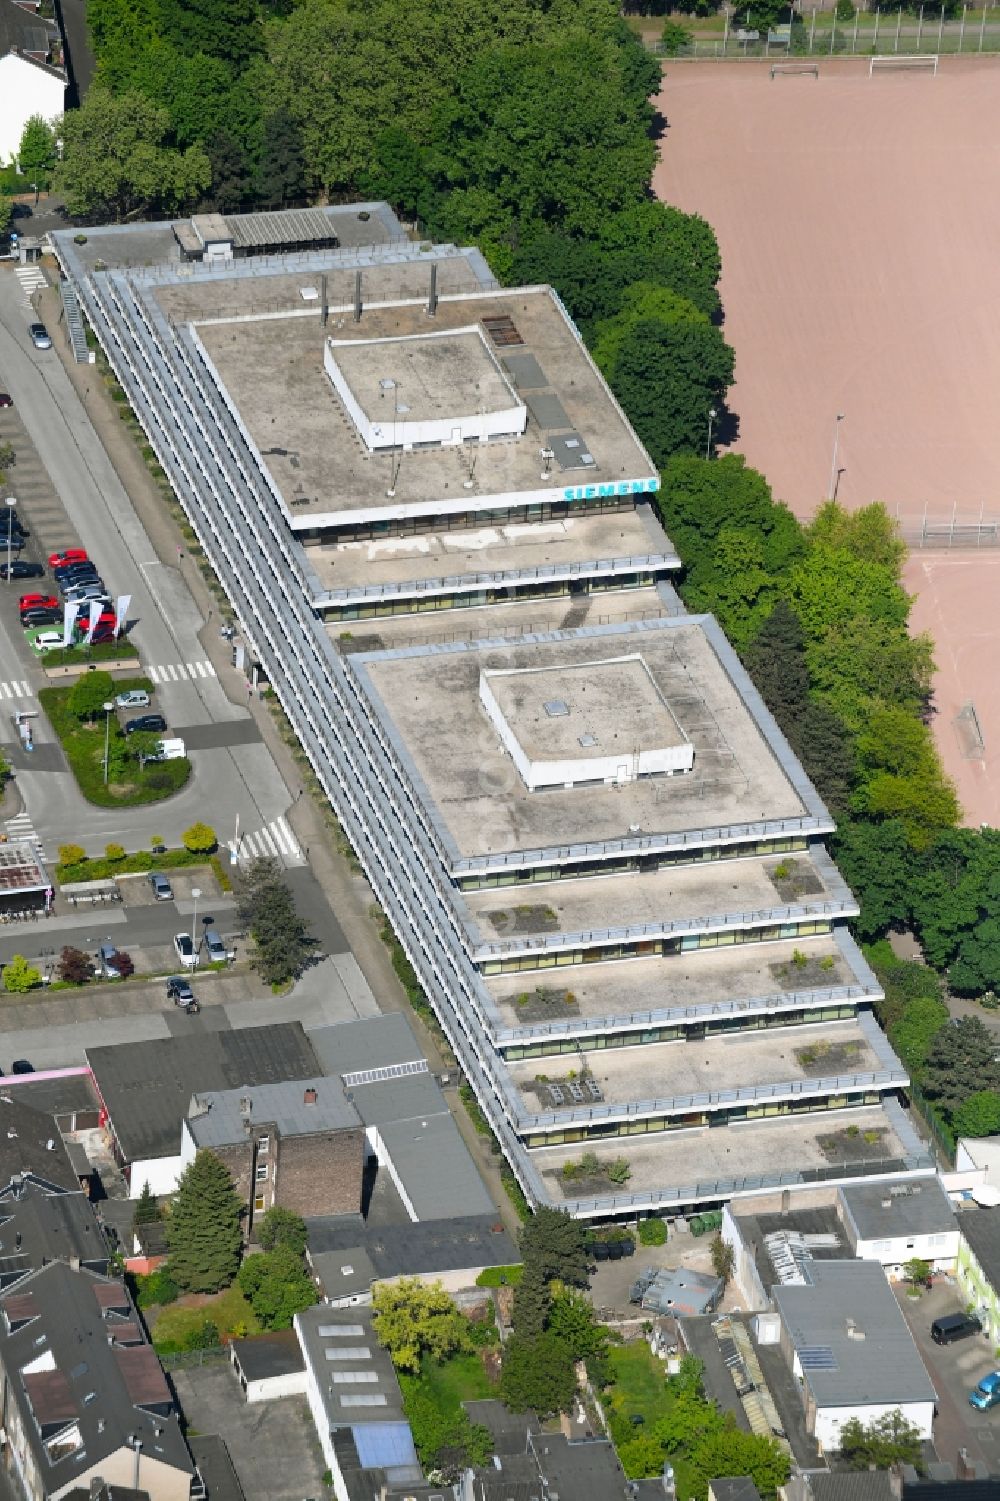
309, 1097
357, 295
432, 300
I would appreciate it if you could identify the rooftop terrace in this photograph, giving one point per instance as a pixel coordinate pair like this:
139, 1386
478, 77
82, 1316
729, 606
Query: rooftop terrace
744, 773
724, 978
705, 1163
438, 561
710, 895
273, 370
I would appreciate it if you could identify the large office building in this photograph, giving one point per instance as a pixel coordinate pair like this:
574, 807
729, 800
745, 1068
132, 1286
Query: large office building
437, 530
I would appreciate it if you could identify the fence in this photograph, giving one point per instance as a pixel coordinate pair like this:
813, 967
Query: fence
180, 1360
818, 33
975, 529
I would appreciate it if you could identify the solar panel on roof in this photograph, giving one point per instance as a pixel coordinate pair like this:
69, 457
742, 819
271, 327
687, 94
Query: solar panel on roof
817, 1358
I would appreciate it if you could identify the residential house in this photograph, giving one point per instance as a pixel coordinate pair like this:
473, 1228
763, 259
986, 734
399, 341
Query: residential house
978, 1266
894, 1223
347, 1256
29, 84
83, 1398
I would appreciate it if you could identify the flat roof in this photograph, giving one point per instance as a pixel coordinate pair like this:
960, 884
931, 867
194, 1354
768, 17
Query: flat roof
742, 1153
802, 1236
851, 1339
583, 543
981, 1230
893, 1210
300, 1107
21, 869
411, 1249
354, 1374
268, 1355
435, 1167
147, 1086
272, 369
421, 377
703, 1067
742, 978
744, 775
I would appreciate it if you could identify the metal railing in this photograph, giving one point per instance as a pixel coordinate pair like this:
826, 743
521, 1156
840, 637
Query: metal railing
818, 33
467, 582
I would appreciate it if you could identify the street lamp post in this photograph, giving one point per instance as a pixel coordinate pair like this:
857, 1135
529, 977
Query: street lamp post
196, 893
109, 709
712, 414
10, 502
836, 446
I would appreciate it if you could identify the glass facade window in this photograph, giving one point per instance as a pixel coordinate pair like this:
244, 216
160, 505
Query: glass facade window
626, 864
516, 963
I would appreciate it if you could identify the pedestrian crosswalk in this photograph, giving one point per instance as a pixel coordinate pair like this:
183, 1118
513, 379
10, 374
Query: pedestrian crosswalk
180, 672
275, 841
32, 279
16, 688
20, 830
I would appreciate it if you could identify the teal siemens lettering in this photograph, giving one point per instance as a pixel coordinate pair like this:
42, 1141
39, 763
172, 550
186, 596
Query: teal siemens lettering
624, 487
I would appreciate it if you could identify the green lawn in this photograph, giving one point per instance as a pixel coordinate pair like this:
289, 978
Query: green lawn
639, 1383
229, 1311
127, 785
452, 1382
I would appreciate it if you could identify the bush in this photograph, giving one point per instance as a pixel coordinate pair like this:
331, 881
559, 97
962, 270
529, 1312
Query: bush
75, 967
199, 838
652, 1232
156, 1290
19, 976
674, 38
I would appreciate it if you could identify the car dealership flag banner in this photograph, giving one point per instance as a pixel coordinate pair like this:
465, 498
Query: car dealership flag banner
121, 610
69, 619
96, 609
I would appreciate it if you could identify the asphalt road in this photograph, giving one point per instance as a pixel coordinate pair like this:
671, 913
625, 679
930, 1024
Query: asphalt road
235, 775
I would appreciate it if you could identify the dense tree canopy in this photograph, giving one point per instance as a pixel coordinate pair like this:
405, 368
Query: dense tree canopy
203, 1231
117, 162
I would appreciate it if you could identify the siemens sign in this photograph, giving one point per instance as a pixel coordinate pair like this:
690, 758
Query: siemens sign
624, 487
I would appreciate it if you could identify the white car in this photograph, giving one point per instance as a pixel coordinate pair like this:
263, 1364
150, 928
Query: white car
185, 950
48, 640
135, 698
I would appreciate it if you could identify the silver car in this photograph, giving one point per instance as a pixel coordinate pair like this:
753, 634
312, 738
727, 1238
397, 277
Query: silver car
40, 336
135, 698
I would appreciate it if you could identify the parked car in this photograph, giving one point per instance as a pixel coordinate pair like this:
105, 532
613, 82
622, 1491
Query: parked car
87, 593
150, 722
48, 641
5, 400
78, 565
106, 966
20, 569
214, 947
31, 619
135, 698
162, 889
76, 573
185, 950
984, 1396
952, 1326
39, 336
22, 1066
67, 556
38, 601
179, 990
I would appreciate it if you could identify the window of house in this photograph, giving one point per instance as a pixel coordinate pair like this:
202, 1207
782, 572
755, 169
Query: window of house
263, 1144
261, 1172
258, 1202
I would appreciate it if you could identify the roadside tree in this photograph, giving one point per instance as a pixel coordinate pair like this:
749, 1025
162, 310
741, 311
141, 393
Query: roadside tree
200, 839
75, 967
19, 976
37, 153
89, 694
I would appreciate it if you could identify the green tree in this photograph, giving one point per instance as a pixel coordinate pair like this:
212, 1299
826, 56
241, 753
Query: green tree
961, 1061
877, 862
641, 1455
883, 1442
722, 1258
555, 1245
227, 29
830, 586
675, 38
37, 154
72, 854
232, 174
277, 1286
203, 1232
913, 1036
398, 173
979, 1115
532, 1301
698, 500
572, 1319
445, 1441
6, 212
147, 1209
538, 1373
412, 1317
74, 966
282, 945
19, 976
89, 694
917, 1271
870, 534
732, 1452
667, 377
280, 1227
200, 839
117, 163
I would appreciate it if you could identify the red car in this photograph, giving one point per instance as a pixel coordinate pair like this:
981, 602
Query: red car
38, 602
71, 555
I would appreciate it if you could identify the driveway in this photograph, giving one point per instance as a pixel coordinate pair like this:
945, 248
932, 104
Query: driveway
273, 1445
954, 1370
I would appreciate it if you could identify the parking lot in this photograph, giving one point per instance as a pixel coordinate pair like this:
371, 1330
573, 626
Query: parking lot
954, 1370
